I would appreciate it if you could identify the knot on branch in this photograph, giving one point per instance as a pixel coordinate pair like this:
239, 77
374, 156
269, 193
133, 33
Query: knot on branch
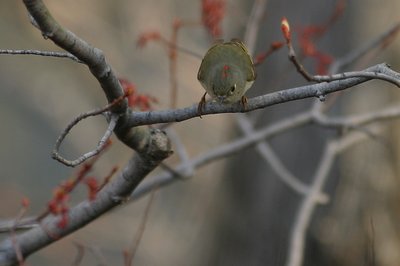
159, 146
148, 142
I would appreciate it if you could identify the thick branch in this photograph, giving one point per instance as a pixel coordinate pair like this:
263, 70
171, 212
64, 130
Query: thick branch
91, 56
111, 196
95, 60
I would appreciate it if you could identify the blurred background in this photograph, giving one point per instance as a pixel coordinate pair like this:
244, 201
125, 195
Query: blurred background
233, 211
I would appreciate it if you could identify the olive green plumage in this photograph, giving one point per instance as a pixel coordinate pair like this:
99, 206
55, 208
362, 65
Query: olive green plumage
227, 71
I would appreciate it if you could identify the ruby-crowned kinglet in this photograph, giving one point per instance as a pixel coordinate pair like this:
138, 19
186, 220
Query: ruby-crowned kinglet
226, 73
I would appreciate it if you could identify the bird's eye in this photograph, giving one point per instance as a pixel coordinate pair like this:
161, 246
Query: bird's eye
233, 88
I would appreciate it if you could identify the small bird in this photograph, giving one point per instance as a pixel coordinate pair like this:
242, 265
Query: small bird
226, 73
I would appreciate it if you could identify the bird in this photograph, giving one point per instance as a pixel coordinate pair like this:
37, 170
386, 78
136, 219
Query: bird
226, 72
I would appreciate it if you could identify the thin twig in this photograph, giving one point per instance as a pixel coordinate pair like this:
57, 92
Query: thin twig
173, 172
371, 257
359, 52
107, 178
181, 151
96, 251
353, 74
318, 78
79, 254
353, 56
183, 49
130, 254
20, 257
100, 146
23, 224
40, 53
356, 121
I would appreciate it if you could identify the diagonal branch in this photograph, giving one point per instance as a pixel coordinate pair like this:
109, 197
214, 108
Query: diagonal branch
152, 146
358, 53
108, 198
91, 56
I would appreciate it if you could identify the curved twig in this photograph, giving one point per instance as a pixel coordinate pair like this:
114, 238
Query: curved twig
100, 146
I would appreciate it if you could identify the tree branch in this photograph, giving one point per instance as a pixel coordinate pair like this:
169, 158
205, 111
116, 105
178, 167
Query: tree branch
40, 53
100, 146
91, 56
223, 151
318, 90
309, 203
356, 54
152, 146
266, 151
109, 197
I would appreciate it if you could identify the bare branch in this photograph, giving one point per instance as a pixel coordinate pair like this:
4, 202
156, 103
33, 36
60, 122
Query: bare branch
309, 203
40, 53
223, 151
109, 197
263, 148
313, 90
359, 52
346, 75
356, 121
181, 151
152, 146
353, 56
22, 224
80, 252
91, 56
266, 151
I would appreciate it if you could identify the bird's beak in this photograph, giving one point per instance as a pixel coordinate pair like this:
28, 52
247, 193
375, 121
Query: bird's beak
221, 98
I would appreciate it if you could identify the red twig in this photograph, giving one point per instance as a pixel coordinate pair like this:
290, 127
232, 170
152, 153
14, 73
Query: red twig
107, 178
23, 210
57, 205
260, 58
